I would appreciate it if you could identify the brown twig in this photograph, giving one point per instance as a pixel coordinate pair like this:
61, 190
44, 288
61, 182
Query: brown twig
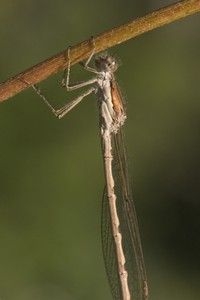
103, 41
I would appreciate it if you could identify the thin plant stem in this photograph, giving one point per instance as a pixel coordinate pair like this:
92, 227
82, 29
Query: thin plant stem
103, 41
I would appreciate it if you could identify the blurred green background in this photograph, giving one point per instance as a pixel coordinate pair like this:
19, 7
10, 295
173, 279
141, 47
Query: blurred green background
51, 175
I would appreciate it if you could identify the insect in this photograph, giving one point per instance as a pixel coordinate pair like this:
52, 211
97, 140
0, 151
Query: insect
121, 243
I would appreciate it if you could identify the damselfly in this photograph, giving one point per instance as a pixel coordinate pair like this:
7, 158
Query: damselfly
122, 249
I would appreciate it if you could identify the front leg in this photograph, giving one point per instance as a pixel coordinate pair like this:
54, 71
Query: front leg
85, 65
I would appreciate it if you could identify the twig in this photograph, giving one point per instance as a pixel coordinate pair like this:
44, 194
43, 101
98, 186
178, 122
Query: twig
102, 41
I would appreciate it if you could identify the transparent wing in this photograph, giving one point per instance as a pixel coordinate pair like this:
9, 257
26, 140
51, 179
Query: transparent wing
129, 229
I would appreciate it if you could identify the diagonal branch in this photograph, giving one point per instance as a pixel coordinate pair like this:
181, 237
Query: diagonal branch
102, 41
